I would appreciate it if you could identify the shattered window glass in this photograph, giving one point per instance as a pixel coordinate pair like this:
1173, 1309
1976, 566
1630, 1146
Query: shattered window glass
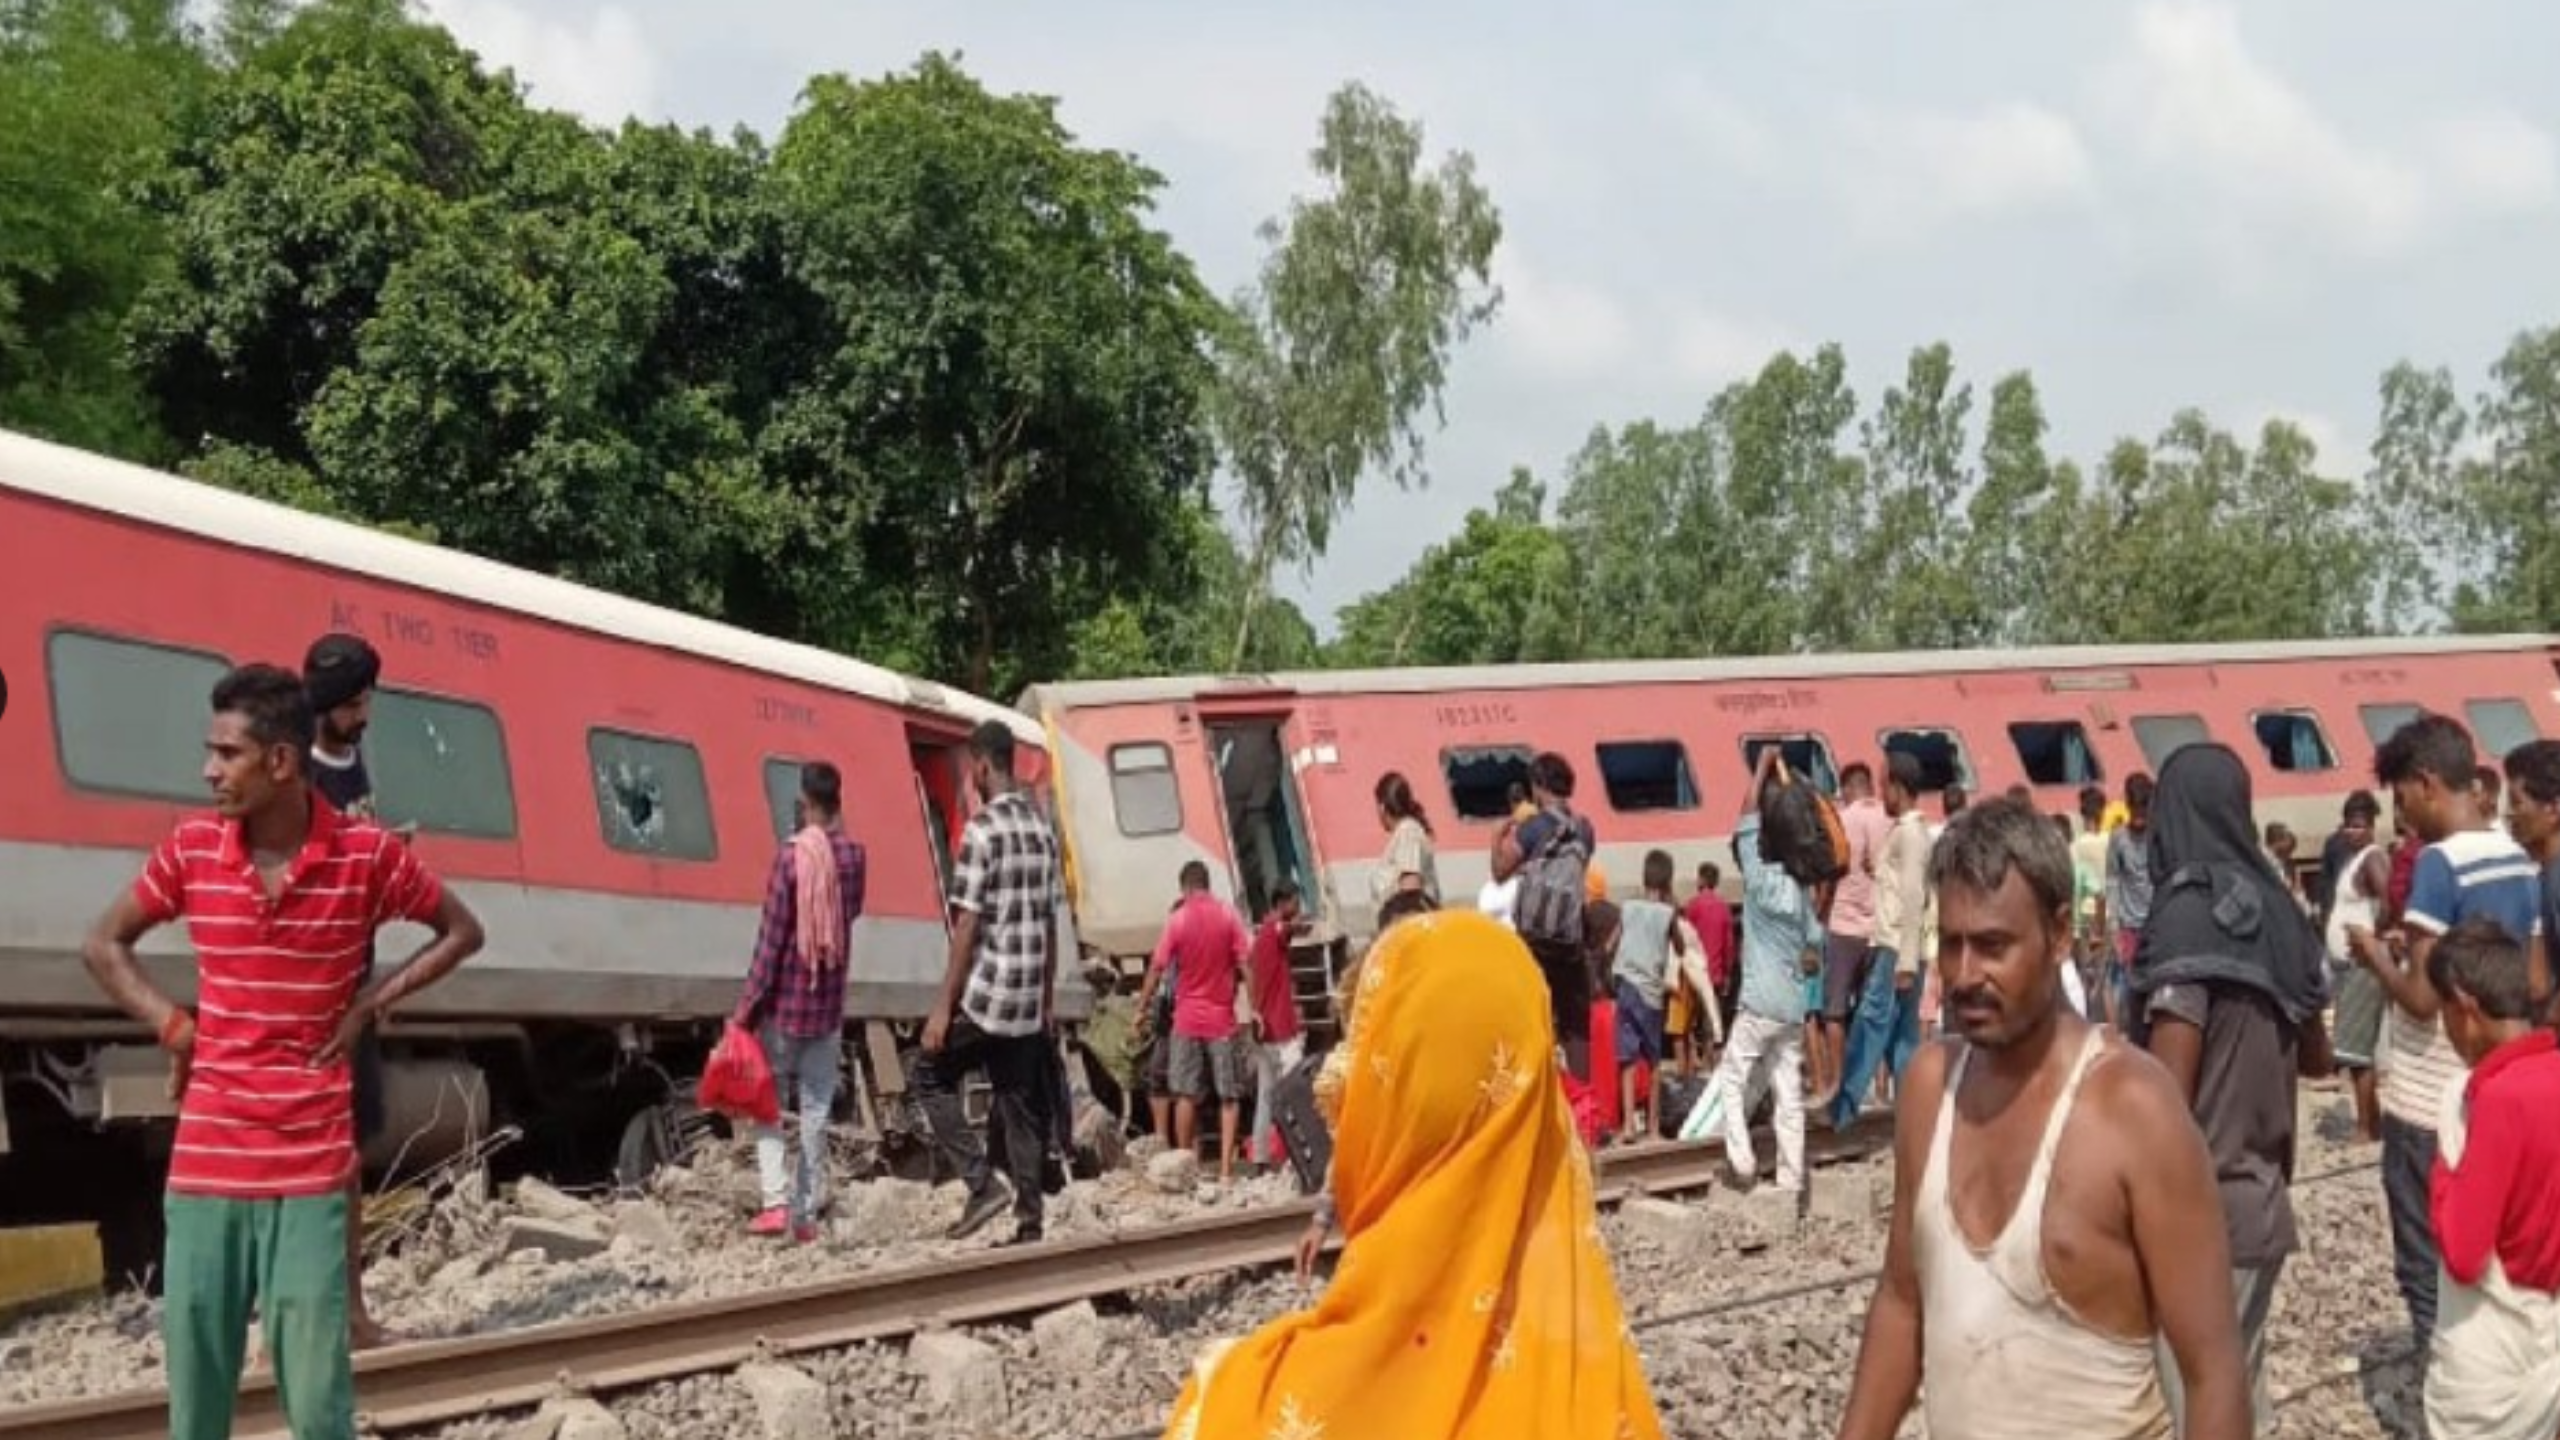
650, 795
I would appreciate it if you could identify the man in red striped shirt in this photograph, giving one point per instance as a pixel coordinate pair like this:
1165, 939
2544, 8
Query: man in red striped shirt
281, 896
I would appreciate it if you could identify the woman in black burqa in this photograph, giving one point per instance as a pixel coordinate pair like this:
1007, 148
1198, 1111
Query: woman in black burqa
2219, 910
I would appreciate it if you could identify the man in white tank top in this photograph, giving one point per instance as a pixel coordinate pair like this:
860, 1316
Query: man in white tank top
2054, 1206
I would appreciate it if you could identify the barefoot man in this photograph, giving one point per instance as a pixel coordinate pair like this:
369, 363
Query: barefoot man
2053, 1203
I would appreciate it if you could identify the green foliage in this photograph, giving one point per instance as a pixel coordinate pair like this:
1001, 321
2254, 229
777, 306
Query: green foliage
921, 381
1004, 409
1756, 531
1186, 626
326, 156
1496, 593
90, 94
2509, 500
1344, 341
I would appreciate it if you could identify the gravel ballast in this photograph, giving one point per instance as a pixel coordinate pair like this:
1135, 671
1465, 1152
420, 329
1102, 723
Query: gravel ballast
1759, 1371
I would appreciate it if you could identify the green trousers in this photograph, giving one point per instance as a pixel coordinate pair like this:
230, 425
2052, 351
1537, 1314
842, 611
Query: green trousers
288, 1259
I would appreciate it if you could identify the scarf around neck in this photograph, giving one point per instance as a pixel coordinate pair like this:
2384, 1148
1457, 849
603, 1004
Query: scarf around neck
818, 899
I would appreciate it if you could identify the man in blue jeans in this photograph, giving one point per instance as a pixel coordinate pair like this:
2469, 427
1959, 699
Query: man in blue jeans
796, 991
1886, 1029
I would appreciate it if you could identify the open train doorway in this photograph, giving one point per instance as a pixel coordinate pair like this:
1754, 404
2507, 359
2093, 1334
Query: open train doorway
941, 775
1265, 814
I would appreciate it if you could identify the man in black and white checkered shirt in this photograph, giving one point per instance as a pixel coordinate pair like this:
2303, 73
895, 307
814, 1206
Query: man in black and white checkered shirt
999, 991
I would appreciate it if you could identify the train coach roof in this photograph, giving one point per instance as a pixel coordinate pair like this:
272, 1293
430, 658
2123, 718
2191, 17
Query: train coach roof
1751, 669
94, 482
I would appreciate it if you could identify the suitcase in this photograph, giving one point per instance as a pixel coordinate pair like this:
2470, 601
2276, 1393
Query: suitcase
1302, 1129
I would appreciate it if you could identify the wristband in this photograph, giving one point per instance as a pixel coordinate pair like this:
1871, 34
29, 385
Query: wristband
169, 1028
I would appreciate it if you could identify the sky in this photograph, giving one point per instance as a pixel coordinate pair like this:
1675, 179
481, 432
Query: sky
2251, 208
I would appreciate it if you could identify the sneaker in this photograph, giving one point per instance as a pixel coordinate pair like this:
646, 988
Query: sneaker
773, 1221
1022, 1235
982, 1209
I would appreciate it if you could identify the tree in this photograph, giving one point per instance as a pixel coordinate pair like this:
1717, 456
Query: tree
2018, 519
325, 156
1185, 626
2413, 497
1492, 594
1003, 419
2510, 499
1792, 499
90, 93
1639, 519
504, 392
1345, 339
1917, 593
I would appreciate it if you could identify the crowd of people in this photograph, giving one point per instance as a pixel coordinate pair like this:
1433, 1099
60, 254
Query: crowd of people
2093, 1163
276, 1069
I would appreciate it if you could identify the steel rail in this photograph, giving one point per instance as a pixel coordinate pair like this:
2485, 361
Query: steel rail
434, 1382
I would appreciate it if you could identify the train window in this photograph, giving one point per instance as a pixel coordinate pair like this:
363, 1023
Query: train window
2500, 726
2293, 740
650, 795
1940, 753
1808, 755
2162, 736
2381, 722
2056, 752
439, 764
1480, 779
782, 795
1143, 792
1647, 775
129, 716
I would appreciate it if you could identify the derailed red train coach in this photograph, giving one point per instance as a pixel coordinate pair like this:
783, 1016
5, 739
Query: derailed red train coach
1273, 777
604, 781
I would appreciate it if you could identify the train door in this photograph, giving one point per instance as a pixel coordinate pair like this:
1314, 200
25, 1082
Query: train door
1264, 809
941, 793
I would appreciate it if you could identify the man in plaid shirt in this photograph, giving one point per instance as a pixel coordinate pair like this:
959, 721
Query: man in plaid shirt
998, 991
799, 998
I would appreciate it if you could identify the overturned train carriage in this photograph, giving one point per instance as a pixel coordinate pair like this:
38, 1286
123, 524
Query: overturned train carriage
603, 780
1272, 777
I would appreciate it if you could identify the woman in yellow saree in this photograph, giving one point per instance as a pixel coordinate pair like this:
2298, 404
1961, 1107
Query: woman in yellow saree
1473, 1296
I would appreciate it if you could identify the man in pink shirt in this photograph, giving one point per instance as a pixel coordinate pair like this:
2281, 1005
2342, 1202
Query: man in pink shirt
1205, 944
1850, 941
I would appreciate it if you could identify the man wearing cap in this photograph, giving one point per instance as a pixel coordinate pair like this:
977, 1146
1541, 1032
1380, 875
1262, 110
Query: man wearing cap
338, 675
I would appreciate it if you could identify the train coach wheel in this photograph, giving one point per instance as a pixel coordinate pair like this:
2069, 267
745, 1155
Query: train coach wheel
657, 1136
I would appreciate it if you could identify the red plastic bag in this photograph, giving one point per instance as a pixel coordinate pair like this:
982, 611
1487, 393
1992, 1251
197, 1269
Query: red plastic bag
738, 1081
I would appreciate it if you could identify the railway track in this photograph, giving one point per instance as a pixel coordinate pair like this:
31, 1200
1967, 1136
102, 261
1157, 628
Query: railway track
411, 1387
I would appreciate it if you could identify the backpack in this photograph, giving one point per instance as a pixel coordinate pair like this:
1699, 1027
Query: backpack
1800, 831
1548, 909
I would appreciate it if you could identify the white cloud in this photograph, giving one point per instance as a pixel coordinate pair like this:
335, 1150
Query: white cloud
1912, 170
2197, 100
1710, 350
599, 67
1722, 131
1558, 326
2243, 165
2497, 159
